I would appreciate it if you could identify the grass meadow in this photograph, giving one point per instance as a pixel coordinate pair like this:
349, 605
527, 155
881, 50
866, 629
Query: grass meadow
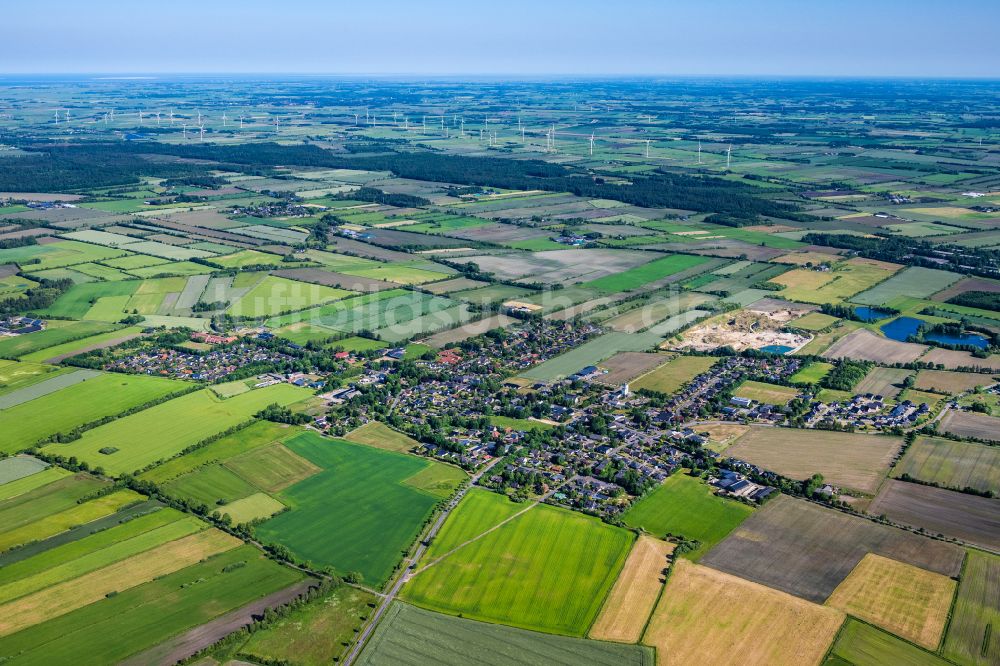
685, 506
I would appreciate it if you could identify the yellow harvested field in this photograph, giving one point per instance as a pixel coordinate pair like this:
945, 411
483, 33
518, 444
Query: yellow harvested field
634, 594
76, 593
945, 211
803, 258
721, 435
903, 599
709, 617
803, 279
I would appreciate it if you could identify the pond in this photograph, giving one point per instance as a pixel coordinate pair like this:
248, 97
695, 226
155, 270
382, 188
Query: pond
867, 314
902, 328
776, 349
971, 339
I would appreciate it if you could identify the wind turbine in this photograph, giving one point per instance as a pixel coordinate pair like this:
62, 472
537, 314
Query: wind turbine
462, 131
171, 115
199, 118
647, 148
184, 126
729, 155
224, 120
201, 133
699, 151
591, 144
355, 119
157, 118
241, 122
140, 119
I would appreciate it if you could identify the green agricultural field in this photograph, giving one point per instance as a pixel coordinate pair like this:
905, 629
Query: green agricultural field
66, 349
95, 552
274, 295
26, 424
769, 394
28, 483
210, 485
685, 506
357, 514
63, 332
478, 511
492, 294
56, 496
255, 435
399, 274
135, 261
58, 255
410, 636
646, 273
81, 297
315, 635
54, 522
814, 321
674, 374
302, 333
272, 468
356, 344
165, 430
548, 569
174, 268
382, 436
438, 479
15, 375
519, 424
951, 464
129, 622
973, 636
861, 644
245, 258
812, 373
913, 282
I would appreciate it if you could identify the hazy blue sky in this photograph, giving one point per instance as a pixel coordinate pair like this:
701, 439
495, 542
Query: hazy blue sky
706, 37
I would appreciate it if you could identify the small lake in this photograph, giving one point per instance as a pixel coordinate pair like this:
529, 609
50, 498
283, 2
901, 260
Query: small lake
776, 349
867, 314
902, 328
971, 339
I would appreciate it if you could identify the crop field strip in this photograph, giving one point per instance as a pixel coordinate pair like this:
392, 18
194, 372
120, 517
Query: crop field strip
411, 636
972, 635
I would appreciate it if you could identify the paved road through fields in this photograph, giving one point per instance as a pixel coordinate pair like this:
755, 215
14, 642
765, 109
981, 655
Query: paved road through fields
409, 564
